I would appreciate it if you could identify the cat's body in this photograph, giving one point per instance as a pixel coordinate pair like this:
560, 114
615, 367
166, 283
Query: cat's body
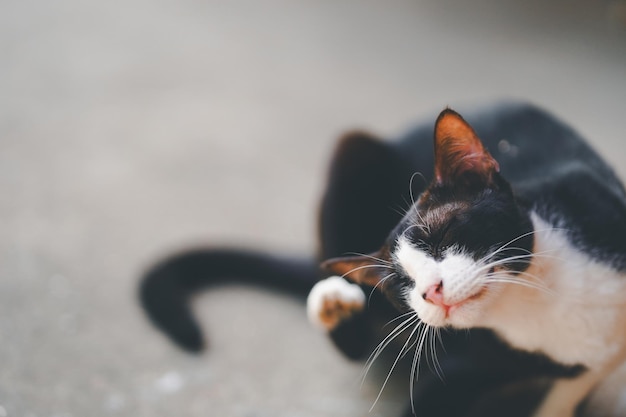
542, 261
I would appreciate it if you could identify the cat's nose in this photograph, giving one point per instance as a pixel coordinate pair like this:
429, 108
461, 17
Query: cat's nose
434, 294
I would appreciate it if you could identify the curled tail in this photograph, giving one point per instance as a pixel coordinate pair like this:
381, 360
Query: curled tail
165, 289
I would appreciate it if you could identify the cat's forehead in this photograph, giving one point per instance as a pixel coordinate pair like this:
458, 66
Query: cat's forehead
435, 216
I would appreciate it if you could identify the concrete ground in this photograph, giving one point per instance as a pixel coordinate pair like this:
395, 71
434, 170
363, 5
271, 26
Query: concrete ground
130, 129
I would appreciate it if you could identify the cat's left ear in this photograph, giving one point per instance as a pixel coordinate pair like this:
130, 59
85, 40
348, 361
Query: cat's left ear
460, 156
366, 270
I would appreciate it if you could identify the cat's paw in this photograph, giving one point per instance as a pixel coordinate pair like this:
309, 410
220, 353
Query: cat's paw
332, 300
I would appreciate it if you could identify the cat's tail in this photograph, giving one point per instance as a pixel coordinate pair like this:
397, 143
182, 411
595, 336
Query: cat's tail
165, 289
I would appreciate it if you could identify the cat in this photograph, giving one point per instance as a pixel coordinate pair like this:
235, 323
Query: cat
515, 233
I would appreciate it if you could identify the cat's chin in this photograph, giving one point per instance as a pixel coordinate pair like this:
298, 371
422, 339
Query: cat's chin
458, 319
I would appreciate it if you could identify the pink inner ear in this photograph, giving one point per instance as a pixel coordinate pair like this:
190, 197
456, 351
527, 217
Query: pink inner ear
459, 150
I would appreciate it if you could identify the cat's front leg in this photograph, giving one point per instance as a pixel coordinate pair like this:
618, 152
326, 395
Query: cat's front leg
567, 394
332, 301
340, 309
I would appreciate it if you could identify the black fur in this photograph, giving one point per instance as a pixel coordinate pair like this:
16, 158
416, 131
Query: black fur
165, 290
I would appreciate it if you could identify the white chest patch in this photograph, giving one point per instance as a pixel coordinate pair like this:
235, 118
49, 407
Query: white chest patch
582, 319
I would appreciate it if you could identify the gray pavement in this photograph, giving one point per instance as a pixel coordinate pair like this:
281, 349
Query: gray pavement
130, 129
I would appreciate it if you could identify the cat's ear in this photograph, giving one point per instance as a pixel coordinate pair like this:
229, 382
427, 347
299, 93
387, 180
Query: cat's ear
460, 156
366, 270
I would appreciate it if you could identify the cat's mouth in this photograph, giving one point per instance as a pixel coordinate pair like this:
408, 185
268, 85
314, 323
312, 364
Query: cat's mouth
435, 296
452, 308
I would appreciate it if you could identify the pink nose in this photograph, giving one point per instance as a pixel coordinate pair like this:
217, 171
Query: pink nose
434, 294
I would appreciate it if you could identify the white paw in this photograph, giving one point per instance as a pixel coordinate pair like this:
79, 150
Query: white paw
332, 300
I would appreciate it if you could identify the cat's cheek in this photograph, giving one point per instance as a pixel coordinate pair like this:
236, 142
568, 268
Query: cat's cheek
473, 313
465, 316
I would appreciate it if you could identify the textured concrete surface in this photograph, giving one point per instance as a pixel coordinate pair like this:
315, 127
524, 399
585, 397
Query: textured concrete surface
129, 129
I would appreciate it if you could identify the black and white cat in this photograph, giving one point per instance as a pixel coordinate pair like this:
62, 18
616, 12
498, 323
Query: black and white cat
525, 244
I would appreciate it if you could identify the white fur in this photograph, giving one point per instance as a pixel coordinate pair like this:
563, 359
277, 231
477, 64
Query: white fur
581, 319
331, 289
583, 322
455, 269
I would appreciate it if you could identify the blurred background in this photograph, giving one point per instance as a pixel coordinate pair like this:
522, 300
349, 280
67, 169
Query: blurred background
132, 129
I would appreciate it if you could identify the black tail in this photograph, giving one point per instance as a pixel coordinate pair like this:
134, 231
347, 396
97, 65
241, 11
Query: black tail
165, 289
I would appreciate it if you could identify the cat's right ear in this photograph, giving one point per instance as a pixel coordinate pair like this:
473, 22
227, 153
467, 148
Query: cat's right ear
460, 156
361, 269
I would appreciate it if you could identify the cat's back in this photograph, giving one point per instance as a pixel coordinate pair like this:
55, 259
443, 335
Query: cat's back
528, 142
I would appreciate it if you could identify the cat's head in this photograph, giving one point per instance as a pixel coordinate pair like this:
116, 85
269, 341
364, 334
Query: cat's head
459, 245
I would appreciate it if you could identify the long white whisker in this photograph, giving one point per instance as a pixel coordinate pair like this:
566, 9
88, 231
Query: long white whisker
528, 255
393, 366
358, 268
379, 283
400, 210
533, 279
408, 313
415, 365
383, 261
393, 334
440, 338
523, 236
531, 276
506, 246
417, 213
386, 341
422, 227
415, 174
524, 283
514, 258
382, 281
503, 261
433, 349
414, 343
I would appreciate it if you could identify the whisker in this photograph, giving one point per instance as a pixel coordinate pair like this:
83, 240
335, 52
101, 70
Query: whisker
524, 283
540, 255
509, 259
386, 341
415, 174
358, 268
379, 283
398, 318
415, 366
400, 211
521, 237
506, 260
529, 275
398, 329
383, 261
433, 349
441, 340
419, 226
413, 205
382, 281
414, 343
424, 225
393, 366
